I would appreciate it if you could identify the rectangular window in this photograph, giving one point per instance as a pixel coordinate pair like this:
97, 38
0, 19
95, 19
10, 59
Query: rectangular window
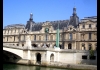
89, 36
8, 31
84, 56
60, 37
89, 25
14, 38
15, 31
46, 37
40, 38
92, 57
51, 37
70, 36
22, 37
7, 38
34, 37
83, 26
96, 25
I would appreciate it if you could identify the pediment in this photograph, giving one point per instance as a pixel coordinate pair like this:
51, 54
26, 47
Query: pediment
71, 28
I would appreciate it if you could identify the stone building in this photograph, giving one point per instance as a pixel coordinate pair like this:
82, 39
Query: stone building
75, 33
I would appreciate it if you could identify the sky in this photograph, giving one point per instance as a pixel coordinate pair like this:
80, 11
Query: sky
18, 11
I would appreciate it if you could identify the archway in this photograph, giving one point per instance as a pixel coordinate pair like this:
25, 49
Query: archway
34, 45
10, 57
69, 46
52, 57
38, 57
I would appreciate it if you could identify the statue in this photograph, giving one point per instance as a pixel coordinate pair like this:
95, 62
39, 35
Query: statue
28, 42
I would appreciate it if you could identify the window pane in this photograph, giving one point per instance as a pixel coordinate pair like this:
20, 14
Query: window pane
89, 35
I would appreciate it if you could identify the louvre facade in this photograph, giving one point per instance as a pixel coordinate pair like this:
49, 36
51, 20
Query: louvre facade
75, 33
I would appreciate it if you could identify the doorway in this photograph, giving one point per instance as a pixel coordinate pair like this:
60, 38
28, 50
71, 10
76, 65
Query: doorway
38, 57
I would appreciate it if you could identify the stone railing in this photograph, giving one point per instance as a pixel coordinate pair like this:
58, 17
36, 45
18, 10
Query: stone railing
12, 46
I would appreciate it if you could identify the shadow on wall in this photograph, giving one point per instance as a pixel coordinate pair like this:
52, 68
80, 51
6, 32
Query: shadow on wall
10, 57
89, 59
90, 62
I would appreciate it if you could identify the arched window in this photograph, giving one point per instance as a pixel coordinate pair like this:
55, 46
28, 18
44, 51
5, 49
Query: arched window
83, 46
90, 46
69, 46
52, 57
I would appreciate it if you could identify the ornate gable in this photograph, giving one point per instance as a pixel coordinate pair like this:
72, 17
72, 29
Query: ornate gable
71, 28
47, 24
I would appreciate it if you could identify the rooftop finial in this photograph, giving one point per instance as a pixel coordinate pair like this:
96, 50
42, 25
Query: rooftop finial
31, 16
74, 9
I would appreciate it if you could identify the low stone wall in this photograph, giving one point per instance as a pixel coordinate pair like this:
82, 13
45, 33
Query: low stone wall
57, 65
74, 66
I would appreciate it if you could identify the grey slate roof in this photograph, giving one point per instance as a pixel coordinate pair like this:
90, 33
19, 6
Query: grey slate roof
15, 26
38, 26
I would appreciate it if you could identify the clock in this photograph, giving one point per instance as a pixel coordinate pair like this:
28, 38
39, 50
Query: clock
46, 30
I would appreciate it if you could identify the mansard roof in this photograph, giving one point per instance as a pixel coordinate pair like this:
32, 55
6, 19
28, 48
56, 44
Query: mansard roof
92, 19
62, 24
15, 26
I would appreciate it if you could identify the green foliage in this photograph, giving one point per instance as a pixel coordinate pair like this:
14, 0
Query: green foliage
91, 52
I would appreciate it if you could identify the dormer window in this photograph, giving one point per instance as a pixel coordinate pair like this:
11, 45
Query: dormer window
89, 25
70, 28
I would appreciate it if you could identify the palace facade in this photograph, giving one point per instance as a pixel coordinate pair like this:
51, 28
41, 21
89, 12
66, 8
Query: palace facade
75, 33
